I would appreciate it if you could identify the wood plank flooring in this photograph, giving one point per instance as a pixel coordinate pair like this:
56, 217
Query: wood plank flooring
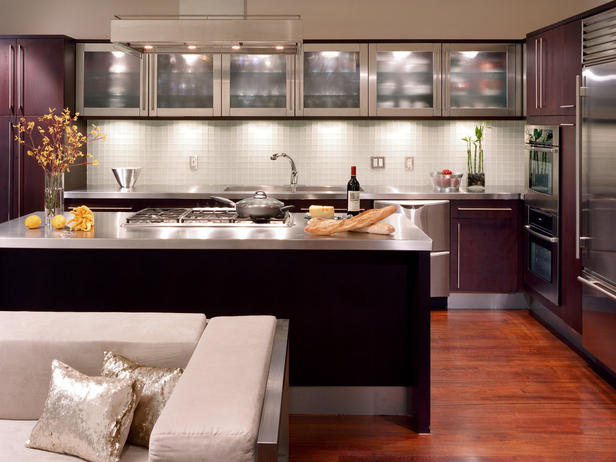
503, 389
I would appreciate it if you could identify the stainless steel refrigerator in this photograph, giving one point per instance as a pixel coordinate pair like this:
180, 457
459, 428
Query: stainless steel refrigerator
597, 203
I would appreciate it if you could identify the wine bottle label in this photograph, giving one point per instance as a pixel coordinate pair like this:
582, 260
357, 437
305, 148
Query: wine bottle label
353, 201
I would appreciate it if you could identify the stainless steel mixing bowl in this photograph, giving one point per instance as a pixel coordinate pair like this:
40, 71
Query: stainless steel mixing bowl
126, 177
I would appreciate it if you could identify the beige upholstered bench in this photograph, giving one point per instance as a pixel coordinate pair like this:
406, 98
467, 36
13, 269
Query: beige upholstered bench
230, 403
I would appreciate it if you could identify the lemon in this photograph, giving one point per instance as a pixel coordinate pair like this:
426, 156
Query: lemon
33, 222
58, 221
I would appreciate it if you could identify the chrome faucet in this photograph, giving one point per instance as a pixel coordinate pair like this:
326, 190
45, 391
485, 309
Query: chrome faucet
294, 172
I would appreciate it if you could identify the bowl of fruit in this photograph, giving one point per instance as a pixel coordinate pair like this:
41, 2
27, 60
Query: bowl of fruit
446, 181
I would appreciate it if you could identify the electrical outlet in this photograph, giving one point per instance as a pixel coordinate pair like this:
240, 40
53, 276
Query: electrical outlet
377, 162
193, 162
409, 164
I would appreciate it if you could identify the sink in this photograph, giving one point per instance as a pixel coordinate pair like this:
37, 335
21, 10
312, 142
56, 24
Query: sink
285, 188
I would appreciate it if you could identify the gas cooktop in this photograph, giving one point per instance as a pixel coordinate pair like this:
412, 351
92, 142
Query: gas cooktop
201, 216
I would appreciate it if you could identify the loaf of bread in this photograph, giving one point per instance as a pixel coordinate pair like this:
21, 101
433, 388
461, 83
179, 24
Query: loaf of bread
377, 228
365, 219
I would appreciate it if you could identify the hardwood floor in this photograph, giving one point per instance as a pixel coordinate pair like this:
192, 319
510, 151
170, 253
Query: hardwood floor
503, 389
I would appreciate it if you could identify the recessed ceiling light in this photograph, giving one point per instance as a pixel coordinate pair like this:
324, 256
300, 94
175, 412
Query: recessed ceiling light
148, 47
192, 47
279, 47
236, 47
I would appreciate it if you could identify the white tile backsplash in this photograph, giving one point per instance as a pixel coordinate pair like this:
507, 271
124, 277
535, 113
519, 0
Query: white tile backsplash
238, 151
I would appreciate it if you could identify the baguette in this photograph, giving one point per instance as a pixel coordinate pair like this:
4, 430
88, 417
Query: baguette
377, 228
324, 227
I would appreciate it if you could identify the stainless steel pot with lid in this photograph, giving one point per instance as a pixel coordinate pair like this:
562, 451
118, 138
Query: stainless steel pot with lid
257, 207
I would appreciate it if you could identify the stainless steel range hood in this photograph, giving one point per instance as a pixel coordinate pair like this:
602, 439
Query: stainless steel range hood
208, 34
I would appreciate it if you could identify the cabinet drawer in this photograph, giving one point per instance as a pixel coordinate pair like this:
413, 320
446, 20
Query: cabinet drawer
485, 209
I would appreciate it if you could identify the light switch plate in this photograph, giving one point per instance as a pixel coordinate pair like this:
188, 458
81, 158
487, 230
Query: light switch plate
193, 162
409, 163
377, 162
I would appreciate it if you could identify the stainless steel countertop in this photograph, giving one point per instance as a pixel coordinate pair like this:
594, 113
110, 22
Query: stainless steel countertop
109, 233
205, 191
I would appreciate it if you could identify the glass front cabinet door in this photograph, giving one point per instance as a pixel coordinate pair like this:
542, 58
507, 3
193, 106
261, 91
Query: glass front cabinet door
258, 85
333, 80
110, 82
184, 84
482, 79
405, 79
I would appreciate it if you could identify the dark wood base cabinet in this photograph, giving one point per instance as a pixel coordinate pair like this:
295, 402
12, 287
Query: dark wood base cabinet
485, 246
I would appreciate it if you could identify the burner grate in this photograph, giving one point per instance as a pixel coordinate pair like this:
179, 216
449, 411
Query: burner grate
205, 216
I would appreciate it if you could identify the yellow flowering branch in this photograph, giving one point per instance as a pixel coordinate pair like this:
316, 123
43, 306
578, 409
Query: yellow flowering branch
60, 140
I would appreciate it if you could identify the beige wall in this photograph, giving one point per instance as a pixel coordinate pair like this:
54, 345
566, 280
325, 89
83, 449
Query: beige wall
327, 19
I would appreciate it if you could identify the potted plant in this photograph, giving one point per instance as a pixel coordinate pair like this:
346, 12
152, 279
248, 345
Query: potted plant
57, 147
476, 178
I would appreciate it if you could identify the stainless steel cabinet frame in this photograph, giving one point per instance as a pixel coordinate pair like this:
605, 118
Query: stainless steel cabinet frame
86, 109
513, 80
434, 78
288, 110
362, 110
155, 110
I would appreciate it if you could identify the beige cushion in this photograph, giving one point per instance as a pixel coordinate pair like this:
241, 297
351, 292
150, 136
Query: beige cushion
29, 341
214, 412
13, 434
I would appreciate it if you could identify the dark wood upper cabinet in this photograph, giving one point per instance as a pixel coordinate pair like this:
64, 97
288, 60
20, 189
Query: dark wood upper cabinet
36, 73
553, 61
485, 246
7, 77
47, 76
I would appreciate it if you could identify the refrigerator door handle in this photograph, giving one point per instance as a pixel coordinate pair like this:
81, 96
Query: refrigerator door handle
580, 92
599, 287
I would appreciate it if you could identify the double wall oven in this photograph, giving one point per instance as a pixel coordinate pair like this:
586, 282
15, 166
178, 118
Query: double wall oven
541, 199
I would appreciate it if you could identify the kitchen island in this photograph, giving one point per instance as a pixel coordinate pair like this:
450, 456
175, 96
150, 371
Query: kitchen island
358, 304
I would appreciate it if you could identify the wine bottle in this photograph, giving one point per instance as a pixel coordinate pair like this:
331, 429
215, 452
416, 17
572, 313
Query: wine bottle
353, 189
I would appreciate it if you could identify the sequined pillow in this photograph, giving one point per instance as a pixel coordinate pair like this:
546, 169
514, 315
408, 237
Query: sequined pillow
85, 416
158, 383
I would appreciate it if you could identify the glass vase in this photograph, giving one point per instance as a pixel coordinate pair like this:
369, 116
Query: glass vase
476, 182
54, 196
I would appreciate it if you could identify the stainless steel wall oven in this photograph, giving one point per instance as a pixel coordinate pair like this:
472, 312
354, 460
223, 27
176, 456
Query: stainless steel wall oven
541, 198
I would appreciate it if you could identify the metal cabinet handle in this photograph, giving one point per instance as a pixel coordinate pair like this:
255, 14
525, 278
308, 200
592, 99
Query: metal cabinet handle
539, 148
486, 209
459, 230
111, 208
598, 286
152, 71
541, 73
20, 76
552, 240
536, 76
565, 106
144, 83
10, 184
11, 71
18, 180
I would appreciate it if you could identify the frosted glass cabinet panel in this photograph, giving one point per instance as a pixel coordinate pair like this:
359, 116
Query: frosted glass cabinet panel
110, 82
482, 80
405, 79
184, 84
258, 85
333, 80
